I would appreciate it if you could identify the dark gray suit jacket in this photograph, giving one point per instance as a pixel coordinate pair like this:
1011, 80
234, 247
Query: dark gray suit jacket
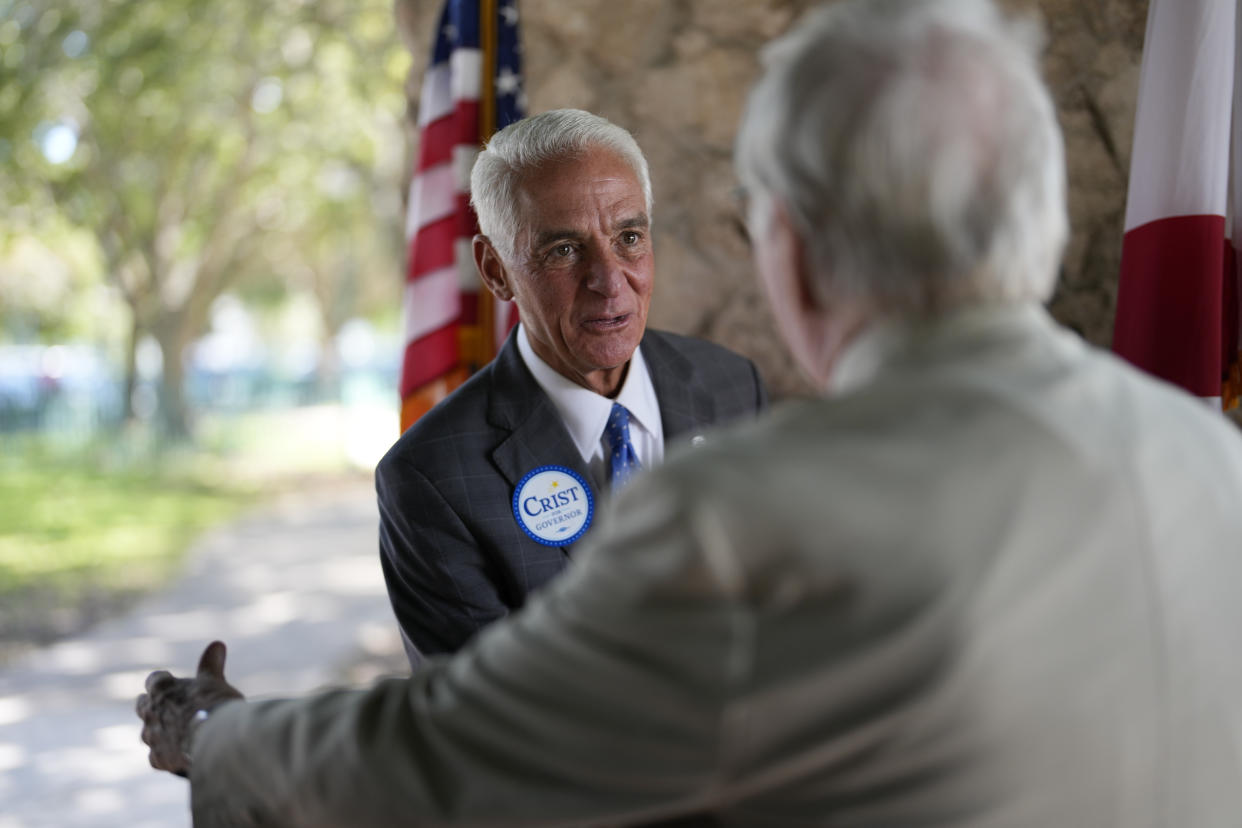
454, 557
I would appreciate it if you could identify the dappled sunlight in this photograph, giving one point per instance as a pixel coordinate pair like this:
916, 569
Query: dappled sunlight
148, 649
116, 737
256, 577
93, 765
295, 591
339, 577
99, 801
11, 756
266, 613
74, 659
120, 686
13, 709
377, 639
183, 626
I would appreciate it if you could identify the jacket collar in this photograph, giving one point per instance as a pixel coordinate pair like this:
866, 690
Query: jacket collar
537, 436
685, 404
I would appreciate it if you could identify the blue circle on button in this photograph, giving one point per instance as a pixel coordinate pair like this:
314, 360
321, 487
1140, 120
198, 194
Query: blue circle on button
553, 505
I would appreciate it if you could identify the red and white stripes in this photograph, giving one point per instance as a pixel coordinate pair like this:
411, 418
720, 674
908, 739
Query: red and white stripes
439, 222
1177, 306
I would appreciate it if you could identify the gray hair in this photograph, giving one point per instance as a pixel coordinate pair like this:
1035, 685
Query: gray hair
917, 152
527, 144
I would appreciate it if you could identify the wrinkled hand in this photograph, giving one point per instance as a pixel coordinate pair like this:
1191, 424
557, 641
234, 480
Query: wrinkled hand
170, 708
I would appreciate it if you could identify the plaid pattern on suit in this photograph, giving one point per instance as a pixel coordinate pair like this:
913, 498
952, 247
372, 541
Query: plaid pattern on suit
454, 557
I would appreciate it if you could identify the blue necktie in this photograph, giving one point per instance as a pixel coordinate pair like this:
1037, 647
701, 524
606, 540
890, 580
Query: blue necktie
622, 459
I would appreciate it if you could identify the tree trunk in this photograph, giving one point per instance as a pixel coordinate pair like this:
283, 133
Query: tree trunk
328, 372
131, 368
174, 416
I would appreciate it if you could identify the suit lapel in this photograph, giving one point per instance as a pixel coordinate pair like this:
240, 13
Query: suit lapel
685, 405
537, 437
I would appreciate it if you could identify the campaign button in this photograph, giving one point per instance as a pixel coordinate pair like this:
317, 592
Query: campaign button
553, 505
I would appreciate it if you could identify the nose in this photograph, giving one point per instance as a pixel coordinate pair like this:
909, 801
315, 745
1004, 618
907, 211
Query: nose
607, 275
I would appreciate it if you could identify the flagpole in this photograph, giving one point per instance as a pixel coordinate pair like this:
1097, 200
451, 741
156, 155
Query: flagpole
487, 125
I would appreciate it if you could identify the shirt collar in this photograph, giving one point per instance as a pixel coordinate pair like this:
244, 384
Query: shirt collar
584, 412
884, 339
863, 358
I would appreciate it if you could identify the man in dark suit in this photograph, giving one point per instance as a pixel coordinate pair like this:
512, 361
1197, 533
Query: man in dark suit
468, 525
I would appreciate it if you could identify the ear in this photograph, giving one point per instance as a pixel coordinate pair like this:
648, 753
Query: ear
491, 268
816, 329
211, 664
788, 245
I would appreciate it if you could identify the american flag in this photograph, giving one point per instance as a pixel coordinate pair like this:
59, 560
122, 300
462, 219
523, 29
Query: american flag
472, 88
1177, 303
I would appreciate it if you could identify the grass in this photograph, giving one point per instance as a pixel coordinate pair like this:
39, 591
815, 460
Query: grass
88, 527
83, 532
58, 522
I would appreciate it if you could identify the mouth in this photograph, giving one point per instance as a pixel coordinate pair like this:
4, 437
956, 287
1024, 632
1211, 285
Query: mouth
603, 324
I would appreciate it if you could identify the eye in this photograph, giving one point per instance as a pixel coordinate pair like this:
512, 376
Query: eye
630, 238
561, 254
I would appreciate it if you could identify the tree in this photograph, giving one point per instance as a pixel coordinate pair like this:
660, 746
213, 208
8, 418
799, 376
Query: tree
193, 141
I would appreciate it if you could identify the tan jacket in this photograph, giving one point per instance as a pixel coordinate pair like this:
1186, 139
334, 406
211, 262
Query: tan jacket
998, 585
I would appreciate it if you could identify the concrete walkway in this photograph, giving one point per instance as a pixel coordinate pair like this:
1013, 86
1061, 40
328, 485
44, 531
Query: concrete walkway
295, 591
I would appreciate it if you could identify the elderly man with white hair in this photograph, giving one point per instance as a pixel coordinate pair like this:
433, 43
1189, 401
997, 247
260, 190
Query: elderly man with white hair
991, 578
485, 498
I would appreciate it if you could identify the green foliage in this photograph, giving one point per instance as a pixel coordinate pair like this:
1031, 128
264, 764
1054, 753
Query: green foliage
230, 145
86, 529
82, 534
62, 521
51, 287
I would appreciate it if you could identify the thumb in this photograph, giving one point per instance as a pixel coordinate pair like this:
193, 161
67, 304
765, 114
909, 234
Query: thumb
211, 665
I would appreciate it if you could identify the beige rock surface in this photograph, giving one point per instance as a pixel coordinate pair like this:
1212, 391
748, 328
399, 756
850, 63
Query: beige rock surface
675, 73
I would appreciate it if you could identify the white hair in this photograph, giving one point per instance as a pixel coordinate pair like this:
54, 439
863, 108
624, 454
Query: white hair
528, 144
917, 152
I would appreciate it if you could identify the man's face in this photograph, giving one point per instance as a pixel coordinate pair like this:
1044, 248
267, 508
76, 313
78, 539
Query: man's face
582, 266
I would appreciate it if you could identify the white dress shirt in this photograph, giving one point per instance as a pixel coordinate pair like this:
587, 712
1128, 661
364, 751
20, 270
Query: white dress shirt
585, 413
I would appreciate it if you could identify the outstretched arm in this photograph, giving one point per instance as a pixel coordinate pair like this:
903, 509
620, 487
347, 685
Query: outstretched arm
600, 701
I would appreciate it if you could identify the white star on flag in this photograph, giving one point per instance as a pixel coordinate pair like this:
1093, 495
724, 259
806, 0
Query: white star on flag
507, 82
510, 14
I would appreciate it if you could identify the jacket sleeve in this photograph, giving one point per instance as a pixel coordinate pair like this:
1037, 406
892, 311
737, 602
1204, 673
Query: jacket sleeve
442, 586
599, 702
761, 390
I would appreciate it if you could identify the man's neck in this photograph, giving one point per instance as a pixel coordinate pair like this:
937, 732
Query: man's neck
606, 382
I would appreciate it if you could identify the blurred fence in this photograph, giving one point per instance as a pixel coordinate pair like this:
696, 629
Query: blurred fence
72, 393
64, 388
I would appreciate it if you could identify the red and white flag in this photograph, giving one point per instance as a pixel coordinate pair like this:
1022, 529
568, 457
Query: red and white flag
1177, 304
471, 88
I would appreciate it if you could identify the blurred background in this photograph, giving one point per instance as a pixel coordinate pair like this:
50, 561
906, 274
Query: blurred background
200, 269
201, 264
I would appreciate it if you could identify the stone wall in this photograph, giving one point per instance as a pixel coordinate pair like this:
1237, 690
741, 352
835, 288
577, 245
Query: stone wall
675, 73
